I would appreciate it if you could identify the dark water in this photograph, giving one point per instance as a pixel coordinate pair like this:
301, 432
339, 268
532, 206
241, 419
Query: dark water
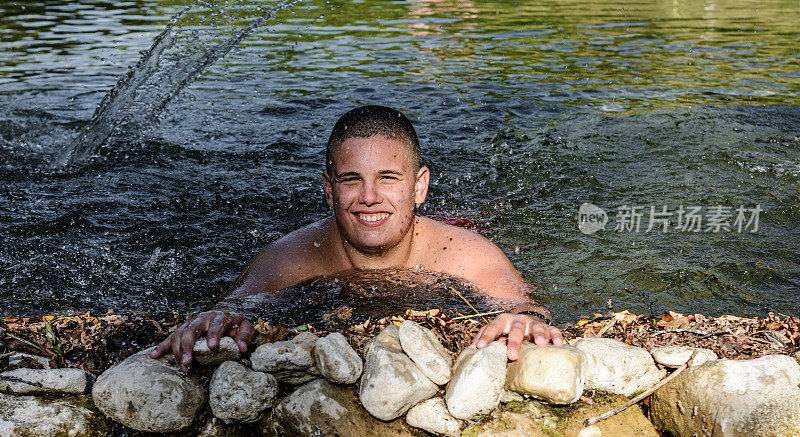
525, 111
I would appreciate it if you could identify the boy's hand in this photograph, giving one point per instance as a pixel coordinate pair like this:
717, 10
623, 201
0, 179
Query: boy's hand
512, 329
212, 324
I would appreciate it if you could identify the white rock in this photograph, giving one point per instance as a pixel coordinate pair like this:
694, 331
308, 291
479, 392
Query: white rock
323, 408
615, 367
553, 374
592, 431
424, 349
20, 359
676, 356
758, 397
33, 416
477, 382
290, 361
227, 350
336, 359
238, 394
149, 395
41, 381
432, 416
391, 383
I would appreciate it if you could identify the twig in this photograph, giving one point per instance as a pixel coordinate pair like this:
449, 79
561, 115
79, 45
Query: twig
6, 355
592, 420
477, 315
587, 400
606, 328
711, 334
689, 330
22, 340
467, 302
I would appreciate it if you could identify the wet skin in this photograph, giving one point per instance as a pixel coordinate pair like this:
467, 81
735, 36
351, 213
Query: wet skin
373, 190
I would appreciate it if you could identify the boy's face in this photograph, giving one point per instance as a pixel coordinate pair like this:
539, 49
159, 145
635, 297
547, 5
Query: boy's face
373, 191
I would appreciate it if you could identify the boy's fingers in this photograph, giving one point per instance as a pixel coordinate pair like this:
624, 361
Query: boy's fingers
490, 332
176, 344
555, 335
217, 327
541, 335
515, 336
244, 334
190, 334
161, 348
478, 335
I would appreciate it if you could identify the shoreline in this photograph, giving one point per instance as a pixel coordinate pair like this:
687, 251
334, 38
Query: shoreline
95, 343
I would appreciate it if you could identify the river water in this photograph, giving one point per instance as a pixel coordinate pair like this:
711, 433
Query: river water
526, 111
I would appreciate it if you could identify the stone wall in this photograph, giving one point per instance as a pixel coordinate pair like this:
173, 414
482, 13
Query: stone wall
405, 383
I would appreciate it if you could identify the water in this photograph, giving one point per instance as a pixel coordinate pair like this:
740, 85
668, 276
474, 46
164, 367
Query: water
524, 114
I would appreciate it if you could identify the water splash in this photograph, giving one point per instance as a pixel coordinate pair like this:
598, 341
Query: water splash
161, 73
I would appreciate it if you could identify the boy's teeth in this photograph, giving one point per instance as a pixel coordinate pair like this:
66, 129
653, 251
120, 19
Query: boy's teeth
373, 217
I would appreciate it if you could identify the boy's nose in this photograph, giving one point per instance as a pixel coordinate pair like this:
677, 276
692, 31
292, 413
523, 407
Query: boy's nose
369, 196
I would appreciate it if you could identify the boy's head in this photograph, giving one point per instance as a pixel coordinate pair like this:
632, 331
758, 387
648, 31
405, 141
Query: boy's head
373, 178
370, 120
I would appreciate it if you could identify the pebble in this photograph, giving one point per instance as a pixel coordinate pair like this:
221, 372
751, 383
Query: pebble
149, 395
391, 383
336, 359
46, 381
479, 376
238, 394
422, 346
227, 350
432, 416
618, 368
553, 374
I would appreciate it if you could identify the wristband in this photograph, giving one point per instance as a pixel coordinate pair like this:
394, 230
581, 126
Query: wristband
544, 318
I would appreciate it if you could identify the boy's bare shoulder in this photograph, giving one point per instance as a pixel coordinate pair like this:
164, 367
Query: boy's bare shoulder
458, 250
307, 251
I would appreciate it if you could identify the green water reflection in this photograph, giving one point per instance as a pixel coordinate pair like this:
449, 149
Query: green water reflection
608, 56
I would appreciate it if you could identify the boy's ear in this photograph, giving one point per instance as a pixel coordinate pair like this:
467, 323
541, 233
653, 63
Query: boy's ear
421, 186
328, 185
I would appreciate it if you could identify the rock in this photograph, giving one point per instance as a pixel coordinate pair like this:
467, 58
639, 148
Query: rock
323, 408
615, 367
336, 359
553, 374
239, 394
510, 396
424, 349
477, 382
20, 359
32, 416
41, 381
290, 361
149, 395
391, 383
227, 350
676, 356
432, 416
758, 397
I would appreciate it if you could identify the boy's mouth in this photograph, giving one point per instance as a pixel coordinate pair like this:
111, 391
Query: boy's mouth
372, 219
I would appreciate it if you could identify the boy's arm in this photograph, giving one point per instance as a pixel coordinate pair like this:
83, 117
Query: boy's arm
279, 265
493, 273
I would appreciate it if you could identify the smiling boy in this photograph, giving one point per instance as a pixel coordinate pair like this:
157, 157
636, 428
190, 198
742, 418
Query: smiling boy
373, 180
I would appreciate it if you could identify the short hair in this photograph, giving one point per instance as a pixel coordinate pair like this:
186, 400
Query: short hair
369, 120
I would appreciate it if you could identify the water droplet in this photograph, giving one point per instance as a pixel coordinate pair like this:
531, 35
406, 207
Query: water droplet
316, 244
